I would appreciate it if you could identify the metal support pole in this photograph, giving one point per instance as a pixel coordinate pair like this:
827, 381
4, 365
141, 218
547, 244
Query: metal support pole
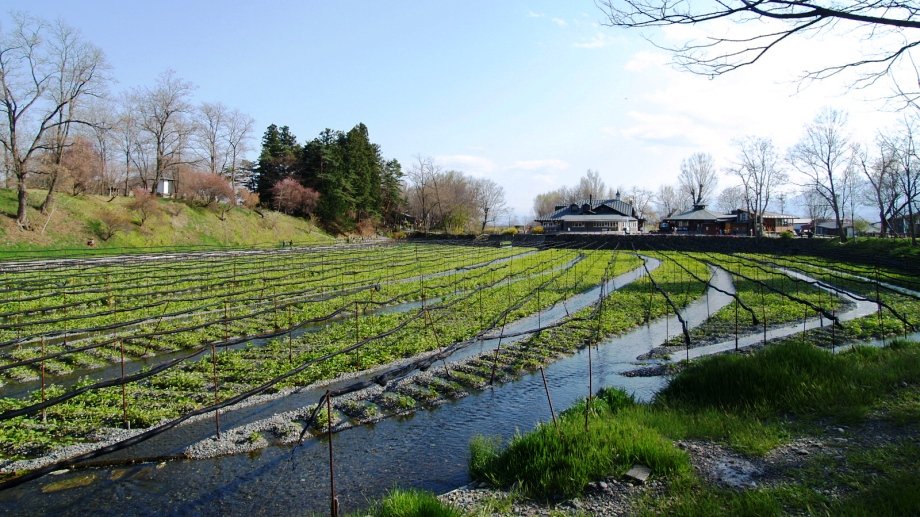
124, 395
333, 500
736, 324
549, 399
216, 389
43, 379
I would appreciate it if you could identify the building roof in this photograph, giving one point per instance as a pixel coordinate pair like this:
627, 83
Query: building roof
595, 217
777, 215
596, 210
699, 213
767, 213
831, 224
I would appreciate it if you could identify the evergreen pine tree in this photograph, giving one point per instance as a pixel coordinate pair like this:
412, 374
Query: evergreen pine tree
279, 159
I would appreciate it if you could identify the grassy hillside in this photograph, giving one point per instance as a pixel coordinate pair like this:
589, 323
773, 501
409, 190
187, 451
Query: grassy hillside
77, 220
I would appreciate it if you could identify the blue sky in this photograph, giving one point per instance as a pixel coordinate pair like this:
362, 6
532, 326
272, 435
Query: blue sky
530, 94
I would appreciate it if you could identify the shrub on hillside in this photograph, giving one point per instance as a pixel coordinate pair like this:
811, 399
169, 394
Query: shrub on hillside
204, 188
292, 198
109, 223
144, 204
366, 227
248, 199
81, 167
510, 231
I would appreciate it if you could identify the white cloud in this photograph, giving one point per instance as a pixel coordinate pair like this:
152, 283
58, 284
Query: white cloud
540, 165
598, 40
666, 129
645, 60
559, 22
472, 165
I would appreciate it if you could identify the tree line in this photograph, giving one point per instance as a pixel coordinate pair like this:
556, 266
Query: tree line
449, 200
827, 171
64, 129
341, 177
591, 186
833, 170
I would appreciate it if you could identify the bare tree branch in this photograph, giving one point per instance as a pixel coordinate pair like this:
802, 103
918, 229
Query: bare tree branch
719, 54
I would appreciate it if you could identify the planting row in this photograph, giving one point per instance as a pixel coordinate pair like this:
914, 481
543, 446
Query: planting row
242, 313
471, 302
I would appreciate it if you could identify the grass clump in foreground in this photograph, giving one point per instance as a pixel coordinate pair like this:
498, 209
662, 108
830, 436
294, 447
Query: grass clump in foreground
553, 462
411, 503
751, 403
796, 378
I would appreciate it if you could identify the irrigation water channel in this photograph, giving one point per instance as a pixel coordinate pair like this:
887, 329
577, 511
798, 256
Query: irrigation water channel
427, 449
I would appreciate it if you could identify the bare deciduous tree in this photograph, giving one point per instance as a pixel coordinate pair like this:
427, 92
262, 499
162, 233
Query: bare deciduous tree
238, 135
641, 200
102, 123
490, 201
590, 186
731, 198
127, 139
419, 189
545, 204
209, 124
145, 204
450, 200
906, 146
81, 167
43, 75
760, 170
823, 156
815, 206
698, 178
161, 116
668, 201
79, 66
881, 183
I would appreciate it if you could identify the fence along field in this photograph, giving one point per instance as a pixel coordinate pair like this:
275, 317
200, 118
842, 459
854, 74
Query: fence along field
148, 342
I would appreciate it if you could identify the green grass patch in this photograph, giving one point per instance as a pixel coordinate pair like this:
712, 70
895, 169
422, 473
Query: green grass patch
743, 401
553, 462
795, 377
411, 503
177, 226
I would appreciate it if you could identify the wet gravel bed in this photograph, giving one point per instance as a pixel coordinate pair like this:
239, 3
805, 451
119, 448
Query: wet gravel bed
605, 497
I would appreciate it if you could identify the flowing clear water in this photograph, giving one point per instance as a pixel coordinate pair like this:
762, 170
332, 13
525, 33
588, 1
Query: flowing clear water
428, 449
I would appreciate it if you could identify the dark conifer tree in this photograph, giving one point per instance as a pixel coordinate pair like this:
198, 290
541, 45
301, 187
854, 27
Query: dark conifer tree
391, 188
279, 159
362, 160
